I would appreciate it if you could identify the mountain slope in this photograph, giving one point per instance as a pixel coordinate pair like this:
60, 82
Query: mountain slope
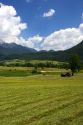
78, 49
12, 51
59, 56
12, 48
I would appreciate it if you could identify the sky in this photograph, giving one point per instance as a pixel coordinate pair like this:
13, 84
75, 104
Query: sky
42, 24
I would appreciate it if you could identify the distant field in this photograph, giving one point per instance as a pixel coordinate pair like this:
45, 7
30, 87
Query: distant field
41, 100
27, 71
30, 61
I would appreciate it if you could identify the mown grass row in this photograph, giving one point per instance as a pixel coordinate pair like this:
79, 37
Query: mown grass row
41, 100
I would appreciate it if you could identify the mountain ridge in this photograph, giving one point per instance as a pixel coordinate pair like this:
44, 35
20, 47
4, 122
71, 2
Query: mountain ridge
13, 48
12, 51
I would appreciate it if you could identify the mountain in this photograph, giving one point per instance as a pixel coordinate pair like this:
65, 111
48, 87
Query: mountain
7, 49
13, 51
59, 55
78, 49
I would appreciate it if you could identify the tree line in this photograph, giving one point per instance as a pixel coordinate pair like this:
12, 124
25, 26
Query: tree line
74, 64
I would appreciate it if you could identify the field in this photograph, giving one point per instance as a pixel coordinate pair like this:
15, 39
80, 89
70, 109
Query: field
27, 71
41, 100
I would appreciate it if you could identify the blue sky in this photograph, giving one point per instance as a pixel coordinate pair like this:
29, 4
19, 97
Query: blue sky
67, 14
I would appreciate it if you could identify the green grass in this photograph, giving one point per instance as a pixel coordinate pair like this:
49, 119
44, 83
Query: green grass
27, 71
15, 71
41, 100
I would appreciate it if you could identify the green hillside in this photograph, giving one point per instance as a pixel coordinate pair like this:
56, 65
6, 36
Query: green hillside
20, 52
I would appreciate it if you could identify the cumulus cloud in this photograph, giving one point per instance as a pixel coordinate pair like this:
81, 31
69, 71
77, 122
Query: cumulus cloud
11, 27
58, 40
34, 42
50, 13
63, 39
10, 23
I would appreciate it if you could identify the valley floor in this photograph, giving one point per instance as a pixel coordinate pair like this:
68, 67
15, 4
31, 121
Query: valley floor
41, 100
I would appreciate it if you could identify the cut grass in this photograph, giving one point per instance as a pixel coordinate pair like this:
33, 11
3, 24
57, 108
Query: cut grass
27, 71
41, 100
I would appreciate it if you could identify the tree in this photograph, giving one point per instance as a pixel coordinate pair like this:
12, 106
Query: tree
35, 69
74, 63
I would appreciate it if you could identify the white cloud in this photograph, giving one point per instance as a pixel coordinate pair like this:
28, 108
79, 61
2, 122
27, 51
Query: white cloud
63, 39
34, 42
10, 24
11, 27
58, 40
50, 13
